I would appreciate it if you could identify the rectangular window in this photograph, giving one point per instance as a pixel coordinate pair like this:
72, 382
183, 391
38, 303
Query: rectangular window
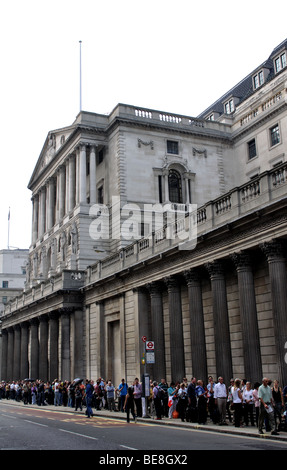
172, 147
258, 80
229, 107
5, 284
277, 64
280, 62
251, 149
4, 300
275, 135
101, 195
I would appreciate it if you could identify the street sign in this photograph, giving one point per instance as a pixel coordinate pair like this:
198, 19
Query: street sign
150, 357
144, 339
150, 345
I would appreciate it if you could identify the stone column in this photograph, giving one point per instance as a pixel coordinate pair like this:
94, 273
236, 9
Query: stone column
72, 182
34, 341
4, 356
42, 219
176, 329
78, 343
65, 345
278, 282
93, 189
43, 347
24, 366
197, 331
62, 180
187, 198
17, 353
10, 353
166, 188
35, 202
248, 315
83, 175
100, 328
221, 321
157, 328
53, 351
77, 176
67, 184
51, 203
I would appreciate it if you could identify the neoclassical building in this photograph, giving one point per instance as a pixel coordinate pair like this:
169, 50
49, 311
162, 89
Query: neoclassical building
151, 225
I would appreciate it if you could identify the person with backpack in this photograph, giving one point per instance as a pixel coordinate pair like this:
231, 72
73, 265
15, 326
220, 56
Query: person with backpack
158, 395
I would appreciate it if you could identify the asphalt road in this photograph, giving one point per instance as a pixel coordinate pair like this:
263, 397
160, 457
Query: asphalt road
41, 429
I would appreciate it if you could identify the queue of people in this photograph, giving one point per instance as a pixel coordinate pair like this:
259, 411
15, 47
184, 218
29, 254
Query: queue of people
263, 405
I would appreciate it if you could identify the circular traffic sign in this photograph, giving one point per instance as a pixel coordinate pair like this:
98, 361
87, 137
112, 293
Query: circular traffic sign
144, 339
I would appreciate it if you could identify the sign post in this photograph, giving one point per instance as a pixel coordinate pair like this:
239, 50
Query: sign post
150, 359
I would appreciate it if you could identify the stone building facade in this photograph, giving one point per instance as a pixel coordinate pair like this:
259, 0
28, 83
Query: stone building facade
169, 227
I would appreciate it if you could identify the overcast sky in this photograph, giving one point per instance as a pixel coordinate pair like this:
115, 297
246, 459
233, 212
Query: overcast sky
176, 56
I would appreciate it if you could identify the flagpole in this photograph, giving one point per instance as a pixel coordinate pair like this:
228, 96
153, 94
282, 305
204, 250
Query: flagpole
8, 229
80, 75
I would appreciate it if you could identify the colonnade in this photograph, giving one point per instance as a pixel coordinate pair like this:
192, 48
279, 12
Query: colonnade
45, 347
68, 187
252, 349
51, 344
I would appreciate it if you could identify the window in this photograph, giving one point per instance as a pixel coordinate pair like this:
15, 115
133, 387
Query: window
5, 284
280, 62
258, 79
101, 155
210, 117
275, 135
4, 299
251, 149
229, 107
101, 195
172, 147
175, 187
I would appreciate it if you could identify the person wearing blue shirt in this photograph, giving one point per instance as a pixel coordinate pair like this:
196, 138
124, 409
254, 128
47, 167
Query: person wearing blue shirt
89, 396
122, 388
201, 402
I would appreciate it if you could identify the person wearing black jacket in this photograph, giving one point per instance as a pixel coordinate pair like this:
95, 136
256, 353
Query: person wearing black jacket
192, 403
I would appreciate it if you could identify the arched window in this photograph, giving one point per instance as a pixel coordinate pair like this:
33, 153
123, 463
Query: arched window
175, 186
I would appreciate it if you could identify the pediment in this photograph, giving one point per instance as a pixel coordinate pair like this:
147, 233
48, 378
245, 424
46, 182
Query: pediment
55, 141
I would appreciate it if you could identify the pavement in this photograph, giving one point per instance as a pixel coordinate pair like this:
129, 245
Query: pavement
246, 431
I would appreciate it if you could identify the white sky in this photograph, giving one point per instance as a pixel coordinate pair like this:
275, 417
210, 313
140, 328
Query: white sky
176, 56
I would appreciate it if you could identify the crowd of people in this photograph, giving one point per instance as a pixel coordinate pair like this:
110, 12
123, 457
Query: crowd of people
262, 404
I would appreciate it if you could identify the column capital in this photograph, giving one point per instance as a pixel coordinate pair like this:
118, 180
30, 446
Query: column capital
215, 269
34, 321
191, 276
154, 288
66, 311
171, 283
273, 250
241, 260
43, 318
53, 315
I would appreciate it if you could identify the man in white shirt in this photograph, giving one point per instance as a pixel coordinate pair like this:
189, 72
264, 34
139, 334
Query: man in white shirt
220, 396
